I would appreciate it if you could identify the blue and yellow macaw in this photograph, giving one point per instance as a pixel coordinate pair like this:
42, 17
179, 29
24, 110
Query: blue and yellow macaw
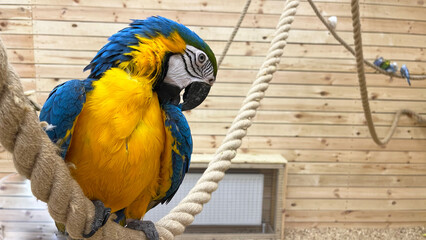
122, 130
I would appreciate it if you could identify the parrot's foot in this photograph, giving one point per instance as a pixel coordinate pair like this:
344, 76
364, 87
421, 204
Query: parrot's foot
101, 217
147, 227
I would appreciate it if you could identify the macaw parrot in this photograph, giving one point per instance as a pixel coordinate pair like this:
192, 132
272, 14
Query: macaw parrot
121, 130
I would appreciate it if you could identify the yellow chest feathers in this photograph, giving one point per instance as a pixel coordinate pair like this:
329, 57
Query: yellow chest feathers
118, 140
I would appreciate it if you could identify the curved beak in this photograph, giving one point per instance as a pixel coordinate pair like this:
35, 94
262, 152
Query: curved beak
194, 95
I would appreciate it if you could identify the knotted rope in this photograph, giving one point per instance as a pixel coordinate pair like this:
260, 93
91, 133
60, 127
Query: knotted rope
358, 53
36, 157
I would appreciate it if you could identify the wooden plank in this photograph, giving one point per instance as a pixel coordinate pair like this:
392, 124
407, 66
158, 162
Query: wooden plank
355, 204
280, 77
311, 143
7, 166
12, 41
220, 5
387, 2
299, 130
33, 235
4, 154
203, 142
209, 236
306, 104
20, 56
282, 117
28, 227
69, 42
12, 177
355, 216
16, 26
354, 156
308, 64
355, 193
312, 78
15, 189
242, 159
331, 105
320, 155
29, 84
196, 18
9, 215
16, 2
231, 62
16, 202
244, 48
321, 180
366, 10
265, 7
293, 91
220, 33
356, 168
15, 12
66, 71
24, 70
358, 224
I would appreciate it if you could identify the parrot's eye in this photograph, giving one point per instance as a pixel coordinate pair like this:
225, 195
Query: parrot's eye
201, 58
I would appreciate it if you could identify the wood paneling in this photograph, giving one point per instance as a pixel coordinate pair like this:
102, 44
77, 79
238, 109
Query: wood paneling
311, 114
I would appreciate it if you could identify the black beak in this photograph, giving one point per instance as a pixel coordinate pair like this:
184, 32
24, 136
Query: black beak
194, 95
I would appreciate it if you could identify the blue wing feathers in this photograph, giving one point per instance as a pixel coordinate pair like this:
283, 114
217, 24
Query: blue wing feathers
182, 134
62, 107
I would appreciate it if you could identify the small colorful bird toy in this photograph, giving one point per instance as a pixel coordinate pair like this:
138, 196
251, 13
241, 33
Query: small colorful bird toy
405, 73
386, 65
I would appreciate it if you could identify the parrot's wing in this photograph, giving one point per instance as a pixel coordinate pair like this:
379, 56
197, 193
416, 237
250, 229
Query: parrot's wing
62, 107
183, 142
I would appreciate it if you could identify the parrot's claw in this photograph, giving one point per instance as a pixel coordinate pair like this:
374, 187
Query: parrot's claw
147, 227
101, 217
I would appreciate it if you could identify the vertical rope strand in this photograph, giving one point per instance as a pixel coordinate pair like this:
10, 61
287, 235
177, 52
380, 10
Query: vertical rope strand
234, 32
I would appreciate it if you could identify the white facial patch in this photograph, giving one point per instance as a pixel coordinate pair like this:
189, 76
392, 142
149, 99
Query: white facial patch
191, 66
176, 73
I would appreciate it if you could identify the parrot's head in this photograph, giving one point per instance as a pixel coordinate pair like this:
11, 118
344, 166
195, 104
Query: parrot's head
167, 54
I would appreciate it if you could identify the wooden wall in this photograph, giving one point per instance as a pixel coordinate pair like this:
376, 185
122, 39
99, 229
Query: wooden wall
312, 113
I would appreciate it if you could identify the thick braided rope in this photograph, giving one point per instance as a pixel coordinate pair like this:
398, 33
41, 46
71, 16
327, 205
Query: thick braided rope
351, 50
36, 157
363, 86
234, 32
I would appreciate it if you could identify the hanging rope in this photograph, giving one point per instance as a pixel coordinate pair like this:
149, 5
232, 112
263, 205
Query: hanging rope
351, 50
358, 53
234, 32
36, 158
